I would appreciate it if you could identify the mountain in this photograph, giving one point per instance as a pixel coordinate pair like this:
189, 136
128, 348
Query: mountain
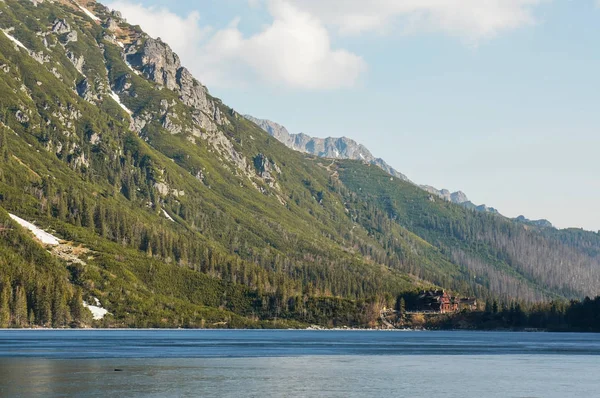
346, 148
131, 197
335, 148
535, 223
458, 197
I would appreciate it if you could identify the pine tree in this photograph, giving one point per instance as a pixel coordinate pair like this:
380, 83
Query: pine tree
402, 306
43, 306
3, 144
20, 307
77, 308
5, 304
60, 313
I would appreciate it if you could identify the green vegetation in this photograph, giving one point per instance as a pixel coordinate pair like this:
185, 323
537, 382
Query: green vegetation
182, 217
555, 316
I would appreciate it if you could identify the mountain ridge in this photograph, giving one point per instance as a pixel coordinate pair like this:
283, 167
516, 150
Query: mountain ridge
346, 148
335, 148
172, 210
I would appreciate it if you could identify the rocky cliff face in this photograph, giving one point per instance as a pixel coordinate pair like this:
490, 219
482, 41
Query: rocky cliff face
536, 223
458, 197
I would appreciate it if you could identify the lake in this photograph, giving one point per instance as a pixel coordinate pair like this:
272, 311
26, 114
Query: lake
281, 363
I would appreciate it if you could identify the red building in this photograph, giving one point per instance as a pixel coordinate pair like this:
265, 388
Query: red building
437, 301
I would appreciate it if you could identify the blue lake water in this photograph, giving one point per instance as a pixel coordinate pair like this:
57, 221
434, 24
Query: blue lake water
239, 363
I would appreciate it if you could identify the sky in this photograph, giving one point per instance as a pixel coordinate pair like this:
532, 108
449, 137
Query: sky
497, 98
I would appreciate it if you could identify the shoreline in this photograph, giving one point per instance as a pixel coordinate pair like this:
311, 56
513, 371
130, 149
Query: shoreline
290, 330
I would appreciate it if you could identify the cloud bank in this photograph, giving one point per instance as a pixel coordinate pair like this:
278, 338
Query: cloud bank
471, 19
296, 49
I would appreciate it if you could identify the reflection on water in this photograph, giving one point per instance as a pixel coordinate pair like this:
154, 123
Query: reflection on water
306, 376
297, 364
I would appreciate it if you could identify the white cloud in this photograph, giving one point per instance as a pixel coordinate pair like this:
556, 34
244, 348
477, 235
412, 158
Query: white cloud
470, 19
294, 51
182, 34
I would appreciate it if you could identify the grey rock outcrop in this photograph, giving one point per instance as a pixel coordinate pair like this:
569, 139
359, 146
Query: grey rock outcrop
536, 223
458, 197
78, 62
335, 148
158, 63
60, 26
70, 37
111, 24
345, 148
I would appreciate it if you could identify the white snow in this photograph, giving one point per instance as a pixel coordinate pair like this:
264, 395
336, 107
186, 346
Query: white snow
41, 235
14, 40
88, 13
361, 156
114, 96
337, 153
97, 311
131, 67
167, 216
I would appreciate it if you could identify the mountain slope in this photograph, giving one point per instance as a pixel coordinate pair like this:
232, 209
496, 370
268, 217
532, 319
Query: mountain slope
335, 148
346, 148
174, 210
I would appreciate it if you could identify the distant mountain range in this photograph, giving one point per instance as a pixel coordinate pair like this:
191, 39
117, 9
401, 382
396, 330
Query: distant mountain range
335, 148
346, 148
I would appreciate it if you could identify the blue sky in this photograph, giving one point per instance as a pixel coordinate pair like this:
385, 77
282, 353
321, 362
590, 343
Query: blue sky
499, 99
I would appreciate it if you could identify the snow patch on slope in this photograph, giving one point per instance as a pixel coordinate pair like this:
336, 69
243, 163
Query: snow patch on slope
88, 13
115, 97
41, 235
131, 67
167, 216
97, 311
14, 40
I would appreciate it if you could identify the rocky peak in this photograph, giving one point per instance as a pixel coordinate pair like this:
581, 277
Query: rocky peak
275, 130
335, 148
536, 223
157, 62
458, 197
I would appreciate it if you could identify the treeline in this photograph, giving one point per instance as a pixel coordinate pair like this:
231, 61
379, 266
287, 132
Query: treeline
480, 254
34, 287
568, 316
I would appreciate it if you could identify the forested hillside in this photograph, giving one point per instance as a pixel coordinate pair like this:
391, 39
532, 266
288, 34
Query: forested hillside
174, 210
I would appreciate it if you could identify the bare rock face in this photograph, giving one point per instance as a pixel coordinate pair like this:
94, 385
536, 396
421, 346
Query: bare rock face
458, 197
111, 24
157, 62
170, 125
71, 37
192, 92
78, 62
335, 148
85, 91
160, 64
21, 117
60, 26
266, 168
